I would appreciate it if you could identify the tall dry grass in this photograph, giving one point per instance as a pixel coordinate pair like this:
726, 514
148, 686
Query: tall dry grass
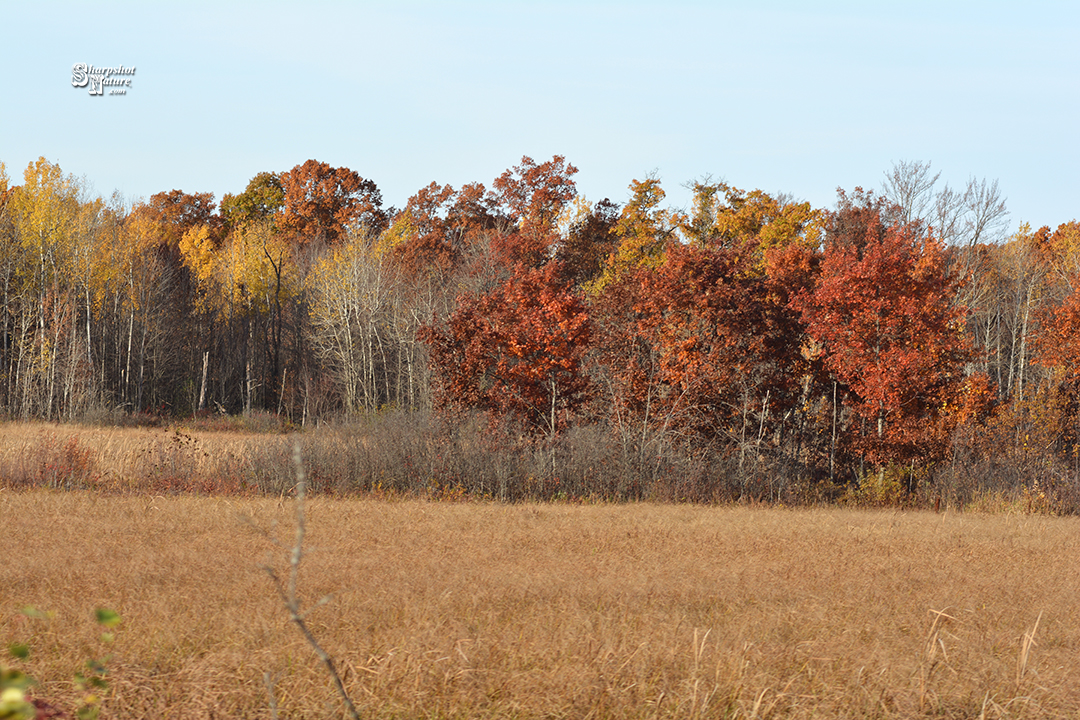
476, 610
418, 454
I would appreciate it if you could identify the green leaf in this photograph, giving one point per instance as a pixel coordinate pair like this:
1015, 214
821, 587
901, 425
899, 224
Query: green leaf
95, 666
32, 612
11, 677
20, 651
107, 617
88, 712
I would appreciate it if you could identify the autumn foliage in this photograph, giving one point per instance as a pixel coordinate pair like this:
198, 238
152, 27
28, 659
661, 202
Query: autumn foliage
324, 202
750, 346
518, 349
726, 349
882, 310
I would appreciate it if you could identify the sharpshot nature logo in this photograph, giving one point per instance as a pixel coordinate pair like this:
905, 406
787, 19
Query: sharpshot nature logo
117, 80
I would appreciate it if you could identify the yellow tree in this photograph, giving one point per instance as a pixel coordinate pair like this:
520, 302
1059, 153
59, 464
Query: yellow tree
727, 217
134, 272
11, 261
79, 374
643, 231
1024, 264
44, 213
1065, 248
242, 285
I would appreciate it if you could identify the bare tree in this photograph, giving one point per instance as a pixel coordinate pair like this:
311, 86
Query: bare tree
352, 323
910, 186
960, 219
986, 216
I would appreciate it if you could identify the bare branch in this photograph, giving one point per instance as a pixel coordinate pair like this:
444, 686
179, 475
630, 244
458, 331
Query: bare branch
987, 215
289, 595
910, 186
978, 215
947, 221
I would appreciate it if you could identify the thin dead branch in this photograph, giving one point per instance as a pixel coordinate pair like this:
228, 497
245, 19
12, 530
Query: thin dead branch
288, 592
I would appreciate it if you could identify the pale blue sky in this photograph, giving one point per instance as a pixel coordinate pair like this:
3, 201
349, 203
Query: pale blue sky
798, 97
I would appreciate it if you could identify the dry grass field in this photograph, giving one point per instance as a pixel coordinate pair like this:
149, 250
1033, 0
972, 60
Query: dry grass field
482, 610
121, 460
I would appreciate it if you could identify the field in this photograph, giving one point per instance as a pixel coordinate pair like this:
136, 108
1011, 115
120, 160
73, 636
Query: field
477, 610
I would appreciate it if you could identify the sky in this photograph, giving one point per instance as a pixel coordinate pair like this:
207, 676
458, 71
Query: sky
794, 97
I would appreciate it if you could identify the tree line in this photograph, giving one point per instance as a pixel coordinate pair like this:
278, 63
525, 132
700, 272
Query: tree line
897, 340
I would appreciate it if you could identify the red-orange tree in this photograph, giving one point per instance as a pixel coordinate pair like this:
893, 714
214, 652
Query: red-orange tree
1058, 349
516, 350
533, 196
882, 310
703, 352
728, 345
439, 229
323, 202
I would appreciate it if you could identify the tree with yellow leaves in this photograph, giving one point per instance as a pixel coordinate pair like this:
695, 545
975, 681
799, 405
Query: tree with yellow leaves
241, 288
726, 217
643, 231
44, 214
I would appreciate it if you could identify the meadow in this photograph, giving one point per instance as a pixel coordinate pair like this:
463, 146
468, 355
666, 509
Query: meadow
491, 610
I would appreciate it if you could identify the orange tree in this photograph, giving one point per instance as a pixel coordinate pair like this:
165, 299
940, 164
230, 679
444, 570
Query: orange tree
1058, 349
515, 350
323, 202
532, 196
535, 194
727, 344
882, 312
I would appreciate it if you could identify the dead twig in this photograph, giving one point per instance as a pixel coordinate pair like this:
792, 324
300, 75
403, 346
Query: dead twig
288, 594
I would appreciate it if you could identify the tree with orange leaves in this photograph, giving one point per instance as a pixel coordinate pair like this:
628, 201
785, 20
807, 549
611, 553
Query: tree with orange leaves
516, 350
882, 311
533, 195
435, 232
1058, 345
727, 360
323, 202
177, 212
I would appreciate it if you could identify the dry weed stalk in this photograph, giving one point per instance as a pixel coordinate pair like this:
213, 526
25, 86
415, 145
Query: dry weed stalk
1026, 644
930, 655
699, 703
289, 595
